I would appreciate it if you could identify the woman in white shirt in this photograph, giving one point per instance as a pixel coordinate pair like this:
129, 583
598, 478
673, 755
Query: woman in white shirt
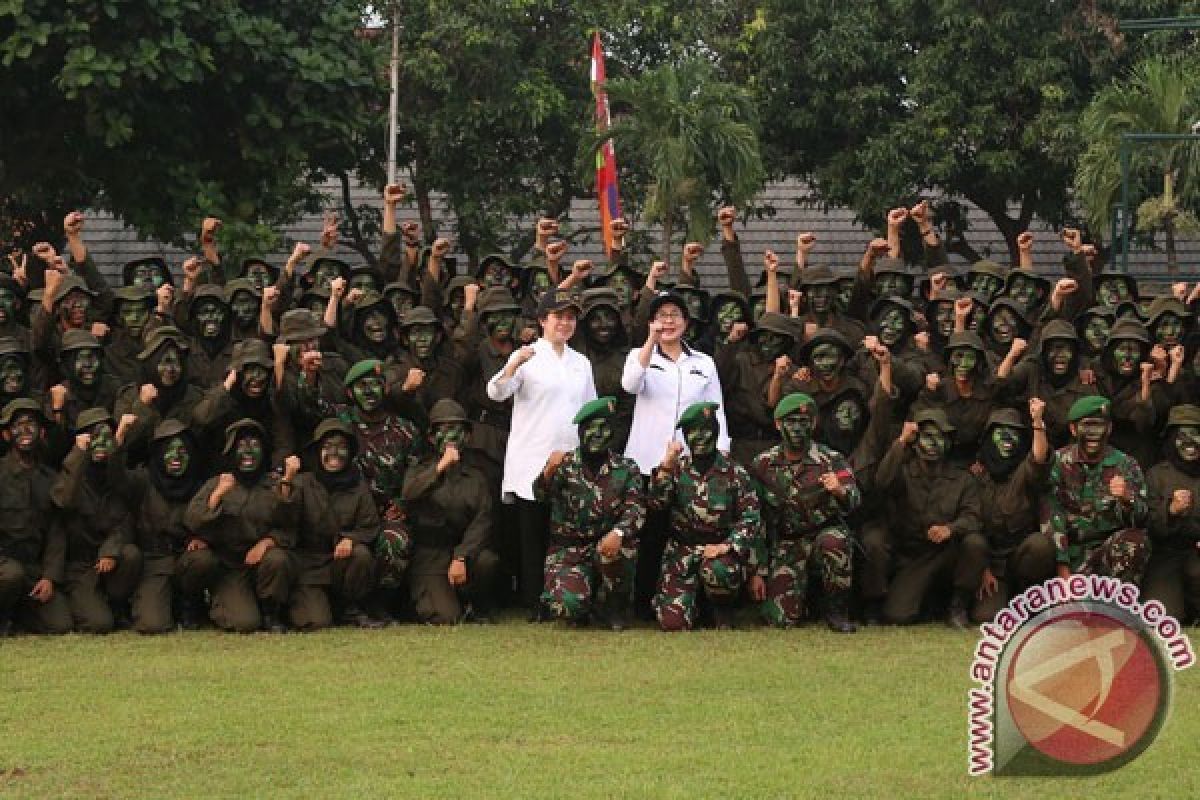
548, 382
665, 376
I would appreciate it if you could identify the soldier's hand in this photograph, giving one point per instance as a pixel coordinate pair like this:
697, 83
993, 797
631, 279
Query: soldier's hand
1037, 409
988, 585
962, 307
1025, 242
908, 433
1065, 286
658, 270
671, 459
83, 441
783, 367
1087, 377
127, 422
73, 224
208, 230
726, 216
196, 544
524, 354
795, 299
582, 267
394, 193
1177, 354
255, 554
1148, 370
528, 336
939, 533
977, 469
291, 467
877, 248
715, 550
43, 591
191, 269
165, 295
1119, 488
45, 251
311, 361
933, 381
281, 351
937, 284
413, 380
300, 252
556, 250
450, 457
353, 296
618, 227
896, 217
921, 341
1181, 502
269, 296
920, 213
770, 262
802, 375
18, 262
58, 396
457, 574
225, 482
758, 588
547, 226
105, 565
738, 331
441, 247
1018, 347
692, 251
99, 330
329, 230
1158, 354
833, 485
805, 242
610, 545
554, 461
1073, 239
345, 547
411, 232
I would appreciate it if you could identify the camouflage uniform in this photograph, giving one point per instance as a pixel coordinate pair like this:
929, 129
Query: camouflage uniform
583, 509
718, 506
802, 517
1173, 574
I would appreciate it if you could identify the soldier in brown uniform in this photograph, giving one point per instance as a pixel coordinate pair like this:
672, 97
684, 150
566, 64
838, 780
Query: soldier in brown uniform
747, 407
1173, 574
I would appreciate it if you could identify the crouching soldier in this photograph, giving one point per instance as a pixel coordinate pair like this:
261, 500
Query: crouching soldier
1173, 576
1095, 505
341, 525
715, 540
449, 511
32, 543
597, 506
103, 564
807, 490
243, 524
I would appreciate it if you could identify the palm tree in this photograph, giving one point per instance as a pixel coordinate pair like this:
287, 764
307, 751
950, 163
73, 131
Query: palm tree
694, 136
1160, 95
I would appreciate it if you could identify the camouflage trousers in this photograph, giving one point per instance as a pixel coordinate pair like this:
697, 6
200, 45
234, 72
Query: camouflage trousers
791, 560
393, 551
1122, 555
685, 571
571, 571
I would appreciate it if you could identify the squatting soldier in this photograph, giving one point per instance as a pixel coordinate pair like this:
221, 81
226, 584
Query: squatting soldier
715, 539
597, 506
1095, 504
1173, 575
807, 491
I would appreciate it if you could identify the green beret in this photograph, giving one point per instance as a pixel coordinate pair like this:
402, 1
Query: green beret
1091, 406
600, 407
792, 402
1186, 414
936, 417
695, 413
362, 368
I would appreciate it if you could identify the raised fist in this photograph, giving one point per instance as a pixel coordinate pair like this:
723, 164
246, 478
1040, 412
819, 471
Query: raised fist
738, 331
908, 433
1066, 286
99, 330
337, 287
658, 270
877, 247
556, 250
394, 193
329, 230
192, 267
618, 227
413, 380
963, 306
58, 396
1118, 488
805, 242
896, 217
270, 295
83, 441
726, 215
783, 366
1018, 347
1181, 502
300, 252
147, 394
73, 224
933, 381
231, 379
692, 251
582, 267
770, 261
441, 247
226, 482
920, 212
310, 362
1037, 408
1073, 239
45, 251
471, 293
165, 294
671, 459
547, 226
411, 231
291, 467
1025, 241
208, 230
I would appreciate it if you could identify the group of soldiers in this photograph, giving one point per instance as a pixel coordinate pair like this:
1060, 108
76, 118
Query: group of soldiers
266, 447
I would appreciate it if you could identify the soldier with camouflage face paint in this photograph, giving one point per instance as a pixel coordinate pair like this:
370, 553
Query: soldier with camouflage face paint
162, 393
1124, 376
716, 545
244, 302
965, 393
807, 492
85, 381
208, 322
1094, 507
604, 340
820, 294
133, 307
749, 375
1173, 574
440, 360
14, 372
13, 316
1052, 374
597, 506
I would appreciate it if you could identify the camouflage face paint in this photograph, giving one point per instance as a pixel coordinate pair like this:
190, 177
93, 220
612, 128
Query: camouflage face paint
619, 283
728, 314
695, 305
210, 317
248, 452
8, 304
148, 276
1095, 333
1187, 443
86, 366
1060, 353
176, 457
963, 361
456, 303
931, 442
12, 375
335, 452
1113, 291
448, 433
538, 284
324, 275
891, 326
1169, 330
943, 317
1092, 433
702, 439
367, 392
985, 285
847, 415
75, 308
362, 281
820, 298
420, 341
602, 325
259, 276
245, 309
1003, 326
254, 380
401, 302
25, 431
501, 324
595, 436
496, 274
375, 326
103, 442
827, 360
1126, 356
1025, 292
891, 284
170, 366
797, 429
769, 345
132, 316
1005, 439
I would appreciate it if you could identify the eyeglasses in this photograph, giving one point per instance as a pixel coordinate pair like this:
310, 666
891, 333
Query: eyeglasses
669, 315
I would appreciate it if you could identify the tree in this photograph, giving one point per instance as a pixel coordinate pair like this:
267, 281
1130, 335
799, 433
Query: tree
165, 111
1160, 95
877, 103
694, 134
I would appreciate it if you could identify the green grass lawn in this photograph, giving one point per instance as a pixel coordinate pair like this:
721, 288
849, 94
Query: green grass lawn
520, 711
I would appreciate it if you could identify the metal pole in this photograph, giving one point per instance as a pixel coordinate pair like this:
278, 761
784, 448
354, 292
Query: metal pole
394, 103
1125, 158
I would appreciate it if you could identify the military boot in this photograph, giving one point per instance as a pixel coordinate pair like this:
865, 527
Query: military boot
191, 613
957, 617
355, 616
272, 619
724, 616
616, 610
122, 615
6, 627
837, 614
873, 613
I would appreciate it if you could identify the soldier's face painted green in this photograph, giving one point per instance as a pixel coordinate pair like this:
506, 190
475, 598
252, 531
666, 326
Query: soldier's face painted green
12, 375
539, 282
1003, 326
375, 326
758, 307
133, 316
1059, 355
931, 443
1126, 355
335, 452
963, 361
728, 314
248, 452
1025, 292
1169, 330
1005, 439
847, 415
210, 317
496, 274
797, 429
254, 380
362, 281
1113, 291
943, 318
502, 324
602, 325
986, 285
1095, 333
1091, 433
169, 366
401, 302
695, 305
176, 457
891, 326
245, 309
1187, 443
845, 290
259, 275
324, 275
619, 283
456, 303
25, 431
103, 442
8, 305
595, 436
367, 392
75, 308
701, 439
827, 361
448, 433
820, 298
891, 284
86, 366
420, 341
770, 345
147, 275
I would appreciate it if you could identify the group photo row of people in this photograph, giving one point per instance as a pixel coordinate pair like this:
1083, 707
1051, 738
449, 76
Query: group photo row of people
253, 446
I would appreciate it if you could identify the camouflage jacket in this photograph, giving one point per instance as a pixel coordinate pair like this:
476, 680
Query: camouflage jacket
585, 507
795, 504
710, 508
386, 447
1077, 507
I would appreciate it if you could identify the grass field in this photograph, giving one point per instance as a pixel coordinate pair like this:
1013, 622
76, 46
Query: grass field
521, 711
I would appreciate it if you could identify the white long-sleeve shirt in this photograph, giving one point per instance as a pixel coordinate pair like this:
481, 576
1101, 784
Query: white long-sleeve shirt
663, 390
547, 391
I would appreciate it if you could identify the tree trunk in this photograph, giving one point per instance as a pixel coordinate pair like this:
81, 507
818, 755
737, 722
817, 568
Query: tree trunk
424, 205
359, 242
668, 231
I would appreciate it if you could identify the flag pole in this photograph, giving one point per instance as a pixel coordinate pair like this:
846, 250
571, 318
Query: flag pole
394, 101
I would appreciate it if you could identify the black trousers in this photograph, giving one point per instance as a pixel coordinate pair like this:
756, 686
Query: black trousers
533, 522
